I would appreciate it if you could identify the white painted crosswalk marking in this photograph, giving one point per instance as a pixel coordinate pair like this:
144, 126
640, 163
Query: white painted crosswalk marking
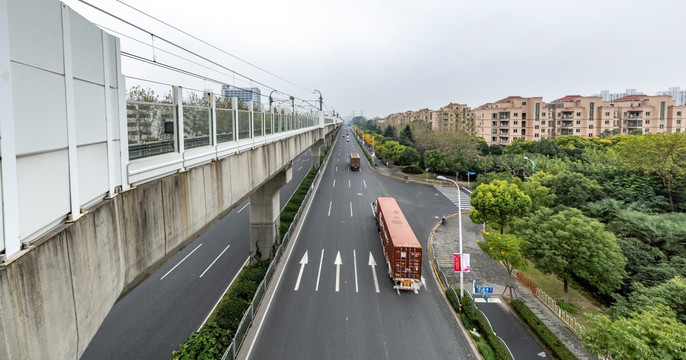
451, 194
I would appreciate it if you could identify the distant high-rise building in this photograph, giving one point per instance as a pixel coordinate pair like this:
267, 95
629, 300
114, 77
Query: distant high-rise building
244, 95
677, 95
608, 96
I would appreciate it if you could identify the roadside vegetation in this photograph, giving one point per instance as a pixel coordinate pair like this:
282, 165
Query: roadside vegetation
212, 340
603, 217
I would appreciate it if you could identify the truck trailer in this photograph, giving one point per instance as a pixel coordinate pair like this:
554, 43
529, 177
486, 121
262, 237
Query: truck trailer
401, 249
354, 161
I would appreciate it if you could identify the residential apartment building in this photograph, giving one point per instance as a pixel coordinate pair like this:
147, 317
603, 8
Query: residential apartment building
454, 117
650, 114
512, 118
581, 115
244, 95
677, 95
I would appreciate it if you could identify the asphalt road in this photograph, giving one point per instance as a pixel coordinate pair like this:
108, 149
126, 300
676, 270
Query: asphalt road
347, 309
159, 314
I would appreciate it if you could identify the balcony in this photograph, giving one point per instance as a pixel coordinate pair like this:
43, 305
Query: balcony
567, 124
567, 116
504, 133
634, 123
504, 124
567, 132
504, 141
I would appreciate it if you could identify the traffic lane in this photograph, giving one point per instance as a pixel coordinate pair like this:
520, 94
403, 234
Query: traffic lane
512, 331
403, 342
146, 323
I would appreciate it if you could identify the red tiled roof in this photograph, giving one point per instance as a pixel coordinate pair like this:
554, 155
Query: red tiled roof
567, 98
483, 106
508, 99
631, 98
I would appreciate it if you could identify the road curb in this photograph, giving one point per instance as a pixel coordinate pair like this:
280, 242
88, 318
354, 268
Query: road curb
437, 280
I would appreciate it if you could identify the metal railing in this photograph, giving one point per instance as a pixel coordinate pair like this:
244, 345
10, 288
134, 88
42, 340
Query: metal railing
549, 302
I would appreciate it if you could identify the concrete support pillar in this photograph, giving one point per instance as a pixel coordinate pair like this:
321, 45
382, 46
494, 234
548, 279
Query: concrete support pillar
264, 216
315, 153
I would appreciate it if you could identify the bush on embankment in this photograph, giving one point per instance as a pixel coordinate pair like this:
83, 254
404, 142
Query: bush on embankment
554, 345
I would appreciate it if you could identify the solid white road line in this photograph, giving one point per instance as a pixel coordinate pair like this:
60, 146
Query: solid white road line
319, 273
215, 260
365, 184
243, 207
351, 209
303, 262
329, 208
338, 264
182, 260
355, 265
222, 295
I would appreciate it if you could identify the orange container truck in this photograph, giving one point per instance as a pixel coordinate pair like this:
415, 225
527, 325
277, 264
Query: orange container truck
402, 251
354, 161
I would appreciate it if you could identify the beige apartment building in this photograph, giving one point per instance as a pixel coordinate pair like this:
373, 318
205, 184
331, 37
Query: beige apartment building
512, 118
451, 117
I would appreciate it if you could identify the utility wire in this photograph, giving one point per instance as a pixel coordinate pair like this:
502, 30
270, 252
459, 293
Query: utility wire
213, 46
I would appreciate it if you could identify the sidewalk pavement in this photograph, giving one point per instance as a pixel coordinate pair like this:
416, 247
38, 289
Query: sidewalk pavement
488, 272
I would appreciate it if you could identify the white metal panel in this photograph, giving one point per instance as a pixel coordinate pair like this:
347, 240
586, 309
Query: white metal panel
43, 190
89, 102
92, 172
39, 109
9, 211
87, 46
36, 33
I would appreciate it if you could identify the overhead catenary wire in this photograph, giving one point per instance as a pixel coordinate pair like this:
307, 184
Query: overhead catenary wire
212, 46
178, 47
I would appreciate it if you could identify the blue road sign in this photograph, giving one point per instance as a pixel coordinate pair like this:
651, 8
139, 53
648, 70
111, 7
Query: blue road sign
487, 289
471, 173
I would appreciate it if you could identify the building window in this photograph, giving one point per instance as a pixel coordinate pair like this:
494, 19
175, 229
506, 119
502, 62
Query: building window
578, 130
535, 135
578, 114
516, 122
543, 130
523, 131
495, 115
523, 103
494, 131
607, 122
523, 115
515, 130
590, 126
662, 110
494, 123
590, 134
678, 121
647, 113
662, 126
523, 123
607, 113
493, 138
543, 114
516, 114
536, 127
647, 130
558, 122
578, 122
678, 130
625, 113
647, 121
559, 114
678, 113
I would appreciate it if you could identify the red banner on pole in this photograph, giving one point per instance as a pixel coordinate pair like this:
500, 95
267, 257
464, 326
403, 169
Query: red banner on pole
457, 263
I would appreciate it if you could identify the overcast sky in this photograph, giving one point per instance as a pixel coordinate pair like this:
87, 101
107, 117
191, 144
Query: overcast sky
390, 56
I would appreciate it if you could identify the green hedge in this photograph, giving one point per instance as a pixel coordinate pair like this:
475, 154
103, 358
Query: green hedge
215, 336
544, 334
412, 169
474, 319
288, 213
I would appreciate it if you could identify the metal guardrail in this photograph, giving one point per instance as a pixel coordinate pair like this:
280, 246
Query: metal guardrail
248, 317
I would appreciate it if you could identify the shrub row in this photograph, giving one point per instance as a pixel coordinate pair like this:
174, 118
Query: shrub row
493, 347
544, 334
366, 154
412, 169
215, 336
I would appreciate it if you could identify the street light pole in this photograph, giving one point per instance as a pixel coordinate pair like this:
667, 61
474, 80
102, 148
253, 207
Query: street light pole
533, 166
270, 99
459, 221
320, 99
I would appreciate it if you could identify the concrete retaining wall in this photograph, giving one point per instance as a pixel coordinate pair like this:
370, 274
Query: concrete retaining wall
56, 294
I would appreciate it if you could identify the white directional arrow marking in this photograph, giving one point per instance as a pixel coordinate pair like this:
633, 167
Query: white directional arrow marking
303, 262
338, 264
372, 263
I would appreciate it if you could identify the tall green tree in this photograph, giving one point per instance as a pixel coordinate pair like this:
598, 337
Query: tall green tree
498, 203
406, 137
389, 131
569, 244
505, 249
651, 334
572, 189
671, 293
436, 161
663, 155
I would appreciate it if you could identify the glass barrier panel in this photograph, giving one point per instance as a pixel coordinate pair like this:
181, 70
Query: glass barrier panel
196, 126
224, 125
243, 124
268, 117
151, 129
257, 123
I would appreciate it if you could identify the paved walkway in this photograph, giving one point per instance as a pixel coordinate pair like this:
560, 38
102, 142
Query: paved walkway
487, 272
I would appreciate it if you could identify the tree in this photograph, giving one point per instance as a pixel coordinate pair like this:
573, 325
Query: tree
498, 203
436, 161
406, 137
389, 132
572, 189
540, 195
671, 293
407, 156
652, 333
507, 250
663, 155
569, 244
